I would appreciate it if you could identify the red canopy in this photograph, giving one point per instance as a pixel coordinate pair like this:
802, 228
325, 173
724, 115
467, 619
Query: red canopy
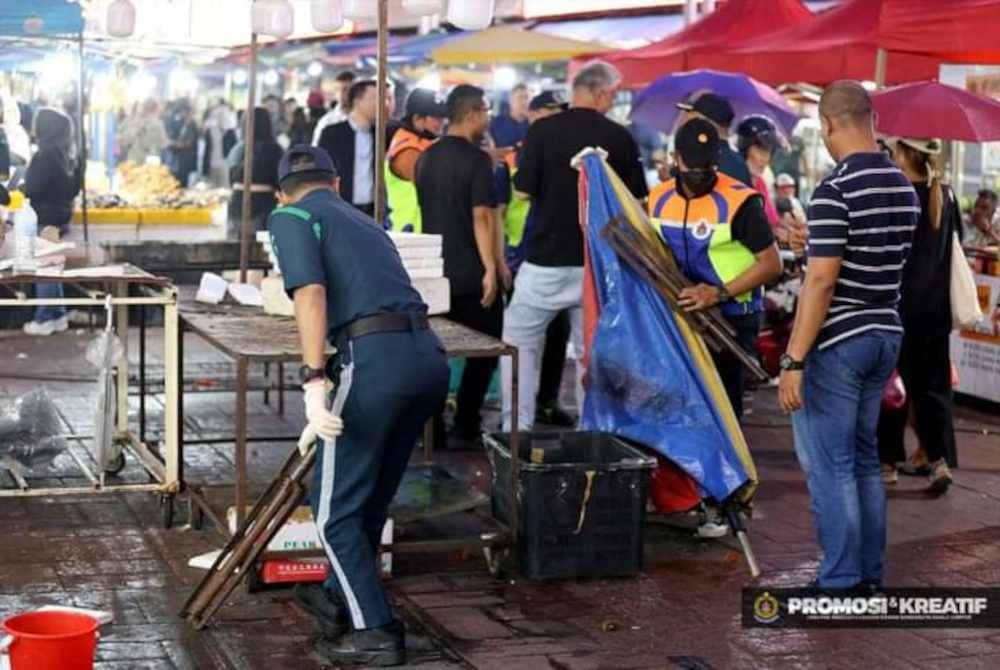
840, 43
960, 31
732, 22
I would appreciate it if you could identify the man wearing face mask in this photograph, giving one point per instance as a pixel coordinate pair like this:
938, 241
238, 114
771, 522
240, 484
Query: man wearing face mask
717, 230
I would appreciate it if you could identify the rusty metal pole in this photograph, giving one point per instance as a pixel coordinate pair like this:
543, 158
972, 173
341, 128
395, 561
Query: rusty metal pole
246, 224
382, 75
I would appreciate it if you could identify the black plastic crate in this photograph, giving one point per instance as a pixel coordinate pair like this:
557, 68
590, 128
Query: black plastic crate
582, 502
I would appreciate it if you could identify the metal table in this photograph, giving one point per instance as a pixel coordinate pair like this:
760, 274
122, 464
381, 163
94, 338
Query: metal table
98, 289
248, 335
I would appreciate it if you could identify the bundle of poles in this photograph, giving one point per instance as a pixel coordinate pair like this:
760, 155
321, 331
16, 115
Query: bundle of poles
647, 256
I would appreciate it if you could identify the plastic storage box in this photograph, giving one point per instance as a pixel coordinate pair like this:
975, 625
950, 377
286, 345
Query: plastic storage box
582, 502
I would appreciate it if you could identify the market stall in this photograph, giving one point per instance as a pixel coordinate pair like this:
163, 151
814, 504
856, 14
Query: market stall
976, 350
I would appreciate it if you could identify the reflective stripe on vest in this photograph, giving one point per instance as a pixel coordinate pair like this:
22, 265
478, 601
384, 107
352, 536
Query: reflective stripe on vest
699, 232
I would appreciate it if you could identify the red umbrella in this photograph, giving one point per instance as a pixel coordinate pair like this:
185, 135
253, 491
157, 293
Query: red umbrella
931, 109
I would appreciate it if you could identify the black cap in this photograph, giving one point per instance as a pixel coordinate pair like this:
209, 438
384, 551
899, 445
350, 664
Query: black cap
307, 159
698, 144
547, 100
713, 107
424, 102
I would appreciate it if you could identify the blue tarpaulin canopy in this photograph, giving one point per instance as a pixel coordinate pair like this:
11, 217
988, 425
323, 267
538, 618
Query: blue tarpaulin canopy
40, 18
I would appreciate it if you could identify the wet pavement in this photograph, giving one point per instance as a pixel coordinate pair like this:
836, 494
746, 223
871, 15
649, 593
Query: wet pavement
110, 552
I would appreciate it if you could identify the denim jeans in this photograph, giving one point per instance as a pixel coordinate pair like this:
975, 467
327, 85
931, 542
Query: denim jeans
540, 294
45, 313
836, 446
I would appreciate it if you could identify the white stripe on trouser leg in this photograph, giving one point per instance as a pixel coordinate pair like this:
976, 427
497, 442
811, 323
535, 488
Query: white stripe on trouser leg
326, 492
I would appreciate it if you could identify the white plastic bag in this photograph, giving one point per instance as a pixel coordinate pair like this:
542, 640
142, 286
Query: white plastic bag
965, 310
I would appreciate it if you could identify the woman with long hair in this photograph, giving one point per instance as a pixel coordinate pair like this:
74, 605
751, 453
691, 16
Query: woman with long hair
264, 176
925, 310
51, 183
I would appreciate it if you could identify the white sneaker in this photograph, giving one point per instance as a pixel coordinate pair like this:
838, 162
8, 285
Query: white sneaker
940, 476
47, 327
712, 524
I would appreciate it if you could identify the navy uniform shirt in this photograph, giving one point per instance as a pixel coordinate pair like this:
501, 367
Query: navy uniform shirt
323, 240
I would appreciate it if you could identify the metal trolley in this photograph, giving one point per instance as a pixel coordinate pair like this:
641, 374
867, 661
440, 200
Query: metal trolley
100, 287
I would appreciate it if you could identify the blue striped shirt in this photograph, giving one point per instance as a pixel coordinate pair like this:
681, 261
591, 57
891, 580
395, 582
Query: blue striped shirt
864, 213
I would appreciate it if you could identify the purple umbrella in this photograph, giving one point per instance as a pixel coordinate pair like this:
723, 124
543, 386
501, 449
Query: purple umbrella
656, 105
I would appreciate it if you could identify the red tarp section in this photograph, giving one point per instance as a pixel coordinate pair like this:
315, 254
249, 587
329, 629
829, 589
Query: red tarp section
958, 31
731, 23
840, 43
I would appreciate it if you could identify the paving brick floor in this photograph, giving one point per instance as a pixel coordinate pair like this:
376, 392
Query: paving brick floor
681, 612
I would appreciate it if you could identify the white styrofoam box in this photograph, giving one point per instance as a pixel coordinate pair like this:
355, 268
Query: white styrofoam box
425, 273
402, 240
212, 288
253, 276
298, 533
436, 292
424, 264
406, 253
276, 300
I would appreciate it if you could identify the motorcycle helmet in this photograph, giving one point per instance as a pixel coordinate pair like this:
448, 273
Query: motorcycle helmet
759, 131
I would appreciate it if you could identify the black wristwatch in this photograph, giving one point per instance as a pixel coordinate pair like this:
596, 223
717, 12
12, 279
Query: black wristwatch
786, 362
723, 294
308, 374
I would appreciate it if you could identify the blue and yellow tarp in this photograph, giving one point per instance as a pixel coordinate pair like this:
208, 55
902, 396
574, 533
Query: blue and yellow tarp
650, 377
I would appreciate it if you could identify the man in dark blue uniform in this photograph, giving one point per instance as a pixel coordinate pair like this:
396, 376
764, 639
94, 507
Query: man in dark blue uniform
389, 377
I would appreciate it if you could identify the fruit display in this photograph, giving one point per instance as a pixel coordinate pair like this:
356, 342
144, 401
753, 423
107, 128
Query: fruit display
146, 185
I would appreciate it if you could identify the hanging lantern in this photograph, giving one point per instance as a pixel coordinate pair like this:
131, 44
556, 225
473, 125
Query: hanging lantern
121, 18
471, 14
273, 17
422, 7
326, 16
361, 10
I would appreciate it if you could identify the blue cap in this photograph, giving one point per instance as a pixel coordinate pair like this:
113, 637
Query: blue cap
305, 158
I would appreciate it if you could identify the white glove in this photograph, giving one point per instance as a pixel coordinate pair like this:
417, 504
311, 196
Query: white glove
306, 439
326, 424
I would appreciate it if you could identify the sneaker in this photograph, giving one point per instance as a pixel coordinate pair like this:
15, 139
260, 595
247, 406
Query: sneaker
711, 524
555, 416
889, 474
47, 327
325, 607
916, 465
379, 647
939, 477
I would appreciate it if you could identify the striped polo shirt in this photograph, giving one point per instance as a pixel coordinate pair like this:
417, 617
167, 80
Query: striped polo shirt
864, 213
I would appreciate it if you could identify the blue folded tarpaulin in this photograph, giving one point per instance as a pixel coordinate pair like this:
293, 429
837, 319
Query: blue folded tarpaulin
650, 378
39, 18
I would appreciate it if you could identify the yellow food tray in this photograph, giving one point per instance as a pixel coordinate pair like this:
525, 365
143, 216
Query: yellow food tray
127, 216
123, 216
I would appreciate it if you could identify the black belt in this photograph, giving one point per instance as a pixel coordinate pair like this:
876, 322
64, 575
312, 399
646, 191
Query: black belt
397, 322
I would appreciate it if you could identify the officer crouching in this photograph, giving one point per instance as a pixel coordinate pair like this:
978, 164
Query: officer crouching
389, 376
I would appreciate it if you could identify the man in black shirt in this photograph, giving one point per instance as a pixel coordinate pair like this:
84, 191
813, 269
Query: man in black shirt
551, 278
454, 180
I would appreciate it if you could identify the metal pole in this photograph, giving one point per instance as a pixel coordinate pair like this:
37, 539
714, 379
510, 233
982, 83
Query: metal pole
708, 7
690, 11
81, 134
881, 61
380, 110
246, 227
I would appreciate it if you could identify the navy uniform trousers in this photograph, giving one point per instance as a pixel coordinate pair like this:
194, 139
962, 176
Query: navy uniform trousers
387, 385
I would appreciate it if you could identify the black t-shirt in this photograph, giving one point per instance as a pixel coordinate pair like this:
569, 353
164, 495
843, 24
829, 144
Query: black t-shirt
546, 175
452, 177
925, 300
751, 227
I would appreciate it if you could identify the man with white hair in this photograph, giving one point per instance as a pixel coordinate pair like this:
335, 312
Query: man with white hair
551, 278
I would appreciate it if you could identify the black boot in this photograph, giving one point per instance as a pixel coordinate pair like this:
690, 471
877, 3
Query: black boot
380, 647
325, 607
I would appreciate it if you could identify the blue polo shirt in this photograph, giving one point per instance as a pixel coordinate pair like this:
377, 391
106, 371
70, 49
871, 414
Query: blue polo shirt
323, 240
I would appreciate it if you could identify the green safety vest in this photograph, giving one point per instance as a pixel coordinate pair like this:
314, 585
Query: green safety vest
403, 203
517, 213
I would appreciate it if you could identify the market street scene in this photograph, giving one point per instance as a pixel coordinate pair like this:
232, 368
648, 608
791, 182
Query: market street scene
475, 334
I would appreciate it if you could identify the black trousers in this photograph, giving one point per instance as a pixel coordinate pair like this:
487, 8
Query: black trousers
730, 369
466, 310
925, 366
553, 361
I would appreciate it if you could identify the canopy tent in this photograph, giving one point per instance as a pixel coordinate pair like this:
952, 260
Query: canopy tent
507, 44
960, 31
840, 43
731, 23
622, 32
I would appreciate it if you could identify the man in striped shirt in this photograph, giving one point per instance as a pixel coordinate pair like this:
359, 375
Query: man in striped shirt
846, 338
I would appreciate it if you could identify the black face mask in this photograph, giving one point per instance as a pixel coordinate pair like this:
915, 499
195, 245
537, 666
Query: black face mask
697, 182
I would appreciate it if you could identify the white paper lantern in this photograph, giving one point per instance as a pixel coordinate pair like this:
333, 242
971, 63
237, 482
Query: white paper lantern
326, 16
361, 10
422, 7
471, 14
273, 17
121, 18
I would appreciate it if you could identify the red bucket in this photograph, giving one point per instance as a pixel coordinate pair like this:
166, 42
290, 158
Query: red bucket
52, 641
